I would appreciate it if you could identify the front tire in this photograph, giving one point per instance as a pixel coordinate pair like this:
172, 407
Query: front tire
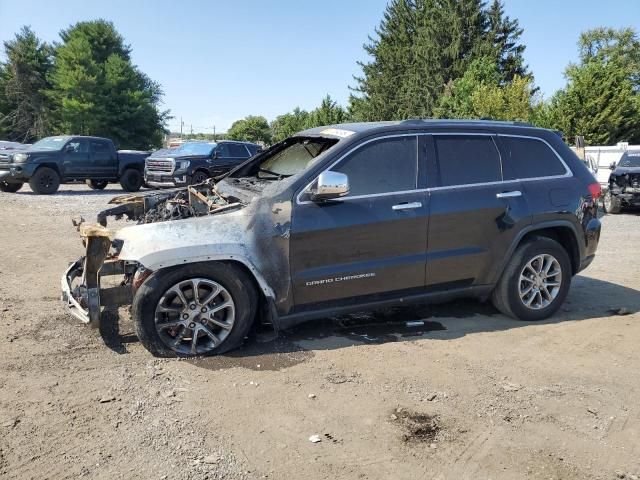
199, 177
194, 310
10, 187
97, 184
535, 282
131, 180
612, 204
45, 181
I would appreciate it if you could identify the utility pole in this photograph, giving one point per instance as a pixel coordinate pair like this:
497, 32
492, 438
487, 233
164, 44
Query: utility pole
181, 124
192, 129
214, 133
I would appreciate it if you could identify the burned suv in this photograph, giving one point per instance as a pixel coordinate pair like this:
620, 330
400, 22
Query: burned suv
345, 218
624, 183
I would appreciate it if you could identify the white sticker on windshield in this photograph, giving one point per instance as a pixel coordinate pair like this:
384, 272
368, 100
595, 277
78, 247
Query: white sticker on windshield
336, 132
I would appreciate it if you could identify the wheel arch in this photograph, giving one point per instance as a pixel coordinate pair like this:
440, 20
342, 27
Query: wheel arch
52, 165
563, 232
245, 264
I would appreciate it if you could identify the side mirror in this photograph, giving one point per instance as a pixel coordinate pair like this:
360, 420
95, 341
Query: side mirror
69, 148
329, 185
612, 166
215, 154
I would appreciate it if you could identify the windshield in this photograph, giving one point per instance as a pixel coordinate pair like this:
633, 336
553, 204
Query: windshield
630, 160
196, 148
50, 143
294, 158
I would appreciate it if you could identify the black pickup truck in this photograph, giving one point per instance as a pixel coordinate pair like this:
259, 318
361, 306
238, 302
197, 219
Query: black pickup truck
55, 160
194, 162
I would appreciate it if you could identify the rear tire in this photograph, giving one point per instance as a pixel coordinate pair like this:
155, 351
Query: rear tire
521, 283
150, 315
10, 187
131, 180
97, 184
612, 204
45, 181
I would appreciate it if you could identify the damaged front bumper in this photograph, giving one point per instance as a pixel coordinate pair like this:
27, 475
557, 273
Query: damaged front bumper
82, 292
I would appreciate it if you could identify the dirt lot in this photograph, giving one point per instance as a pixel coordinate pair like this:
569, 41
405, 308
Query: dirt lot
469, 394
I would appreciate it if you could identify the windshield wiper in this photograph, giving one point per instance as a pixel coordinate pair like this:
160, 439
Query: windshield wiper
278, 175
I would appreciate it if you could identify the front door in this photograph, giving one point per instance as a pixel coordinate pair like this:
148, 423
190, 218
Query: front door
474, 213
371, 242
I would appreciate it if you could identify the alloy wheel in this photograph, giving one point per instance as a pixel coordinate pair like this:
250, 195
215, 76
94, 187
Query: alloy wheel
540, 281
195, 316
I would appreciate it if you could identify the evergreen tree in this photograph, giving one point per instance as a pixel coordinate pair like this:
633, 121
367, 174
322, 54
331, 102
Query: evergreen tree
100, 92
328, 113
502, 43
602, 98
421, 46
25, 109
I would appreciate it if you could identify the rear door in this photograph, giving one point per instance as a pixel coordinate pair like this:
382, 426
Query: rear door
474, 213
239, 153
103, 161
371, 243
75, 159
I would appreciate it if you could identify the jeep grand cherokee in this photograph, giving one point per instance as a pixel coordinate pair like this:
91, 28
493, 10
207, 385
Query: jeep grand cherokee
344, 218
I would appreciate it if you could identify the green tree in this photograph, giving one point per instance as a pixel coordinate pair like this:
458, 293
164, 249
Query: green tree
250, 129
328, 113
421, 46
289, 123
25, 109
480, 93
602, 97
99, 91
502, 43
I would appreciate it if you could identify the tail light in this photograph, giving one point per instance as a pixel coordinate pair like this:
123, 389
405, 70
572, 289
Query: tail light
595, 190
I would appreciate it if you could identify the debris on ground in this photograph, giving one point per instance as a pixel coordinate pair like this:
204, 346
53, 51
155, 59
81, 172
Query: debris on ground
620, 311
419, 427
511, 387
315, 438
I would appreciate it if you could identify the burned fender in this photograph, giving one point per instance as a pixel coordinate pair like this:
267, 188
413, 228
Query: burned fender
227, 236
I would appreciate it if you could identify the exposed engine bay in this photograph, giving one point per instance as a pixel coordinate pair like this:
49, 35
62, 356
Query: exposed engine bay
178, 204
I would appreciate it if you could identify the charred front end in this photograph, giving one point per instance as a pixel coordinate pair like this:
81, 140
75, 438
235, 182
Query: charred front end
101, 278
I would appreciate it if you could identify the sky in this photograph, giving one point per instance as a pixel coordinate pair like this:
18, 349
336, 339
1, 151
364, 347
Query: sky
218, 61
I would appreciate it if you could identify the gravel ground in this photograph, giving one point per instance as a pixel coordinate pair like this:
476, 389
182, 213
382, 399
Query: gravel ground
468, 394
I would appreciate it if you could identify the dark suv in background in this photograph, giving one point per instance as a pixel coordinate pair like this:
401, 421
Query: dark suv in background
352, 217
194, 162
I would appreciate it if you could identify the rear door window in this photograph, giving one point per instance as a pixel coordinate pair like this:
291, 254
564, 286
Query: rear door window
99, 150
238, 151
467, 159
383, 166
529, 158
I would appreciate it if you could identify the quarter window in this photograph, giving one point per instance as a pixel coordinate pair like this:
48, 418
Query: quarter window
467, 159
529, 158
383, 166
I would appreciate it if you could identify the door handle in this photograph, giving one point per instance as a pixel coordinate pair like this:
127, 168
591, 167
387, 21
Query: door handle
514, 193
407, 206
